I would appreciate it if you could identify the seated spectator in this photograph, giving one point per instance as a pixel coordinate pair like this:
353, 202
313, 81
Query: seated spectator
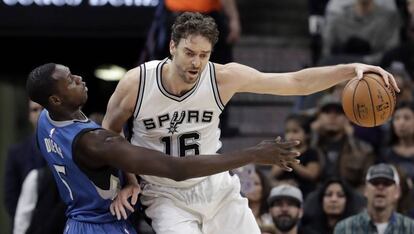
305, 175
342, 155
328, 205
400, 152
363, 31
285, 202
382, 192
257, 198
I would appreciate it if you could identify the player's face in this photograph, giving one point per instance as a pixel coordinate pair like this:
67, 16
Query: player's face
72, 91
334, 200
256, 194
293, 131
381, 194
403, 122
190, 57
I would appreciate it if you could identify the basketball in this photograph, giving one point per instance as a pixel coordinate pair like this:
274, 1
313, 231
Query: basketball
367, 102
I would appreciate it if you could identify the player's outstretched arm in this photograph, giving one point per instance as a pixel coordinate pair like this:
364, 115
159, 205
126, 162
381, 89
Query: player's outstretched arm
234, 77
100, 148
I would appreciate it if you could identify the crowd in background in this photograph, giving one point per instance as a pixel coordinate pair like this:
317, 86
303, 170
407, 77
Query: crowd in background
343, 166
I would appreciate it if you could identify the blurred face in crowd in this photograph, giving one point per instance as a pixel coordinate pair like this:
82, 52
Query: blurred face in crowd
34, 112
256, 194
293, 131
332, 119
381, 194
334, 200
190, 56
286, 213
403, 123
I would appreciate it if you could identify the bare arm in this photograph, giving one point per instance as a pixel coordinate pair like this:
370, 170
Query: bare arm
234, 77
122, 102
100, 147
230, 9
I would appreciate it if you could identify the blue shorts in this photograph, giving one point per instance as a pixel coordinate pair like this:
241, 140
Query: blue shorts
118, 227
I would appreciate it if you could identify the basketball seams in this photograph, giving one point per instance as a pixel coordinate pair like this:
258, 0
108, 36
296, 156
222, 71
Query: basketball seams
372, 102
353, 100
385, 89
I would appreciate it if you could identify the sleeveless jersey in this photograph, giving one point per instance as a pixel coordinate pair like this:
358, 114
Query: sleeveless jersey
176, 125
86, 201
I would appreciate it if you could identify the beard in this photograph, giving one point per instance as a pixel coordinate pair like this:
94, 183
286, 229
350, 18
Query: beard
285, 223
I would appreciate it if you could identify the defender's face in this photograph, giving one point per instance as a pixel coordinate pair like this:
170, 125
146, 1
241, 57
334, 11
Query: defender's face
190, 57
71, 90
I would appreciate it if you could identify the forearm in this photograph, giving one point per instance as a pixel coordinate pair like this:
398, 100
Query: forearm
312, 80
182, 168
230, 9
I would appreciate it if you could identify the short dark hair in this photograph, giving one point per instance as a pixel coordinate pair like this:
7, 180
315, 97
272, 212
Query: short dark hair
40, 85
194, 23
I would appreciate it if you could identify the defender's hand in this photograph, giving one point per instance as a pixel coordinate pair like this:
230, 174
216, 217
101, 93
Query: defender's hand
121, 202
277, 152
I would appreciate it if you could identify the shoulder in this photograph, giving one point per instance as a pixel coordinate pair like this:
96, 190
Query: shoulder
405, 221
348, 223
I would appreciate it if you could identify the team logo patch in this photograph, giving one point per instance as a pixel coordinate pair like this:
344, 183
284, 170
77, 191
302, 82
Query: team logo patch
175, 121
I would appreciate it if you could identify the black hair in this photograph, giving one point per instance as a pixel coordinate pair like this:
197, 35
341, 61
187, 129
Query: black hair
194, 23
264, 207
40, 85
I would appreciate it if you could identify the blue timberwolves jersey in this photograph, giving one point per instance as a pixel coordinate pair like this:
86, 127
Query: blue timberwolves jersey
87, 201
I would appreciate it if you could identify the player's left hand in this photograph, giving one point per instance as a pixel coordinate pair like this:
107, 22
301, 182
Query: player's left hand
360, 69
121, 202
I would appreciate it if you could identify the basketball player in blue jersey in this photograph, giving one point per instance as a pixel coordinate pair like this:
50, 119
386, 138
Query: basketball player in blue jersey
85, 158
174, 105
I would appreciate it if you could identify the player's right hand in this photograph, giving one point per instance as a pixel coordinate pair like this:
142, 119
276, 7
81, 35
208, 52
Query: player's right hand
277, 152
121, 202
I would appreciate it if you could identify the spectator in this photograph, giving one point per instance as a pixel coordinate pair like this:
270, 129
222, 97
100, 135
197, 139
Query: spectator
40, 208
328, 205
400, 153
285, 203
257, 198
21, 158
363, 31
382, 192
342, 155
305, 174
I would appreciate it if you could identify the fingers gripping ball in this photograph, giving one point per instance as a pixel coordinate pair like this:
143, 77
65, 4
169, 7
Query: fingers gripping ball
368, 102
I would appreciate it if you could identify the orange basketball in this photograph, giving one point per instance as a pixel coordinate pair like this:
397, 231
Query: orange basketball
368, 102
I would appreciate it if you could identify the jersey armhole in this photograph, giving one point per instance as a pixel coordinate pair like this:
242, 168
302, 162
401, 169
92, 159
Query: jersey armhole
215, 86
140, 92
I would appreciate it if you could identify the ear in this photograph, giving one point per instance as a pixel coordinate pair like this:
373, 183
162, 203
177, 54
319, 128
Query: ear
397, 194
54, 100
301, 212
172, 47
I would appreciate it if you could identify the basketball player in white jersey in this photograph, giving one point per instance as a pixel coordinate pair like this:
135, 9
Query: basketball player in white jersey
174, 105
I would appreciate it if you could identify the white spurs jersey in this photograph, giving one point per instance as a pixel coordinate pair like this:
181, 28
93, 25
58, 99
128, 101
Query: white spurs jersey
176, 125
